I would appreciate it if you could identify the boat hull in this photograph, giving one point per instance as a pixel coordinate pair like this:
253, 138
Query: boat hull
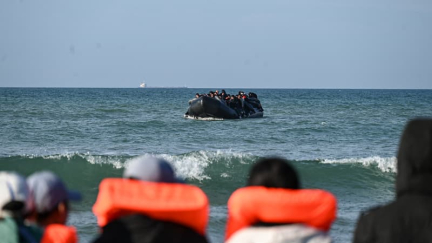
207, 108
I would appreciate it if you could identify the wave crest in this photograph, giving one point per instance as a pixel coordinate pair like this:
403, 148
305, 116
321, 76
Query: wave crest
384, 164
193, 165
197, 165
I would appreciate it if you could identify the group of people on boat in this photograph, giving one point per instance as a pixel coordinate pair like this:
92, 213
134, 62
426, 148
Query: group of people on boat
244, 105
151, 204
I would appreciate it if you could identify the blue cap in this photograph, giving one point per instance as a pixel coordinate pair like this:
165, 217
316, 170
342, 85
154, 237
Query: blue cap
49, 190
149, 168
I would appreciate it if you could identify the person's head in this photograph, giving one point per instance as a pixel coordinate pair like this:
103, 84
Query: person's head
15, 198
211, 94
223, 92
197, 95
414, 158
51, 198
273, 172
152, 169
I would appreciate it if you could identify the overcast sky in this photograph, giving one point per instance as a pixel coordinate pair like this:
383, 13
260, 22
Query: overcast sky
217, 43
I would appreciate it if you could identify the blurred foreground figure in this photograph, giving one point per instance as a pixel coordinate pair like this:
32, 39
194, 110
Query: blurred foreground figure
15, 203
409, 217
273, 208
150, 205
51, 206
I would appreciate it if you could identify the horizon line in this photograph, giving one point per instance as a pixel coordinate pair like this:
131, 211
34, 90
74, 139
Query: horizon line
184, 87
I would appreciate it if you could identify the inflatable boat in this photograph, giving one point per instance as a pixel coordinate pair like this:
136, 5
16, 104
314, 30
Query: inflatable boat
208, 108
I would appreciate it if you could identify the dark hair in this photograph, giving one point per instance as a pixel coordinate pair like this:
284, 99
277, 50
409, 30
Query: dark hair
273, 172
41, 217
251, 94
15, 208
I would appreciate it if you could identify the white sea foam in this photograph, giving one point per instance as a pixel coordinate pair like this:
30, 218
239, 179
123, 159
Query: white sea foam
189, 166
384, 164
68, 156
115, 161
193, 165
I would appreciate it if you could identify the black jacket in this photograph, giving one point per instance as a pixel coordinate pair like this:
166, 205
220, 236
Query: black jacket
139, 228
409, 217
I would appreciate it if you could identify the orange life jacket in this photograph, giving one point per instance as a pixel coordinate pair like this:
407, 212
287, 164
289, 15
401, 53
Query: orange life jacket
250, 205
58, 233
179, 203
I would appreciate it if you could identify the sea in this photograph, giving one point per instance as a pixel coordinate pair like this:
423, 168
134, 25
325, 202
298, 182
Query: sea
344, 141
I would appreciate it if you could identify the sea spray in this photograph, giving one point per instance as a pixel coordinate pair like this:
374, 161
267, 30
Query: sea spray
384, 164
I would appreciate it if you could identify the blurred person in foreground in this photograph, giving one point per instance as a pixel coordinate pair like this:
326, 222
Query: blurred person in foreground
274, 208
51, 206
409, 217
15, 203
150, 205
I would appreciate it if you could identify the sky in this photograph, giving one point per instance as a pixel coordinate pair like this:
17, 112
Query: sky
352, 44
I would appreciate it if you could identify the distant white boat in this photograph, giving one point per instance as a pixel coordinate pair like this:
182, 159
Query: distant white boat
142, 85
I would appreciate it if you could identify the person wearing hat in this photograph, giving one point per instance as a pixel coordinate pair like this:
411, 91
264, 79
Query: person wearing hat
15, 203
51, 202
409, 217
150, 204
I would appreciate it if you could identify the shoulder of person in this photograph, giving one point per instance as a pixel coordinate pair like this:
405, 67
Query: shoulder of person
371, 210
281, 233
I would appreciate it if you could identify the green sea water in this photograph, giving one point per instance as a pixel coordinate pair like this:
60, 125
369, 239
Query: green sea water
344, 141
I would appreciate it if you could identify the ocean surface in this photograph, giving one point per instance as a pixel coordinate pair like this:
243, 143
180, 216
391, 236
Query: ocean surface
344, 141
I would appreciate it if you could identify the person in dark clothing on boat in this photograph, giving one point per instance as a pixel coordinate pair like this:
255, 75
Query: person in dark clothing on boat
240, 104
235, 104
239, 96
409, 217
227, 99
232, 102
252, 95
254, 101
247, 107
223, 95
